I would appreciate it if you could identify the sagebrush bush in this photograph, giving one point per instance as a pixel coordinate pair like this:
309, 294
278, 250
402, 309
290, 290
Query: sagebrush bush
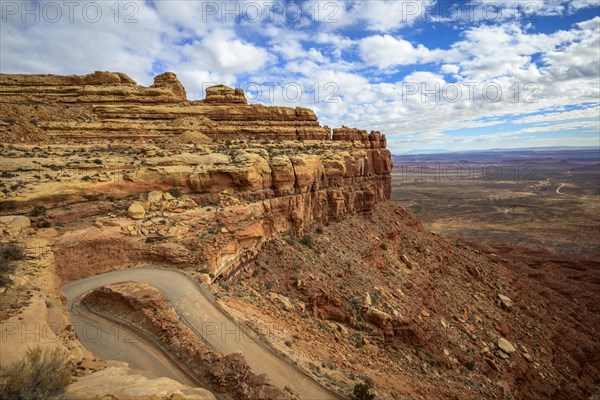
11, 252
38, 211
307, 240
42, 374
362, 391
175, 192
8, 252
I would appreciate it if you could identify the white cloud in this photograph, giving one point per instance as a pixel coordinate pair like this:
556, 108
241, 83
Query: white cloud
81, 46
231, 55
450, 69
592, 112
386, 50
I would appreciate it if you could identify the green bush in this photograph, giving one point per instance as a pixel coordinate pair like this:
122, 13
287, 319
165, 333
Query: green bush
307, 240
175, 192
362, 391
38, 211
11, 252
43, 374
8, 252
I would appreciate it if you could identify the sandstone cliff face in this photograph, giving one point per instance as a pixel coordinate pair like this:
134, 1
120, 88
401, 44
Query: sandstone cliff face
114, 106
95, 88
110, 137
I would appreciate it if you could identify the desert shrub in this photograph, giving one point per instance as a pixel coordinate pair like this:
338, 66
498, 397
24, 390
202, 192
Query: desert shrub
33, 121
97, 161
45, 224
362, 391
383, 246
470, 365
8, 252
154, 239
307, 240
42, 374
11, 252
319, 230
7, 174
375, 297
38, 211
175, 192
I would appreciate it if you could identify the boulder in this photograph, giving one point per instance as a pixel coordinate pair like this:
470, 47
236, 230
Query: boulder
506, 346
367, 300
13, 224
505, 301
285, 302
155, 197
377, 317
136, 210
168, 196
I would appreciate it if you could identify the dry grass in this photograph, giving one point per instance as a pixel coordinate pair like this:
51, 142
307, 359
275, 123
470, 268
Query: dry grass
42, 374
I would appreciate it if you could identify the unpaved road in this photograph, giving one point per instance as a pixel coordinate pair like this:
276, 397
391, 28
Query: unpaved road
207, 320
560, 187
109, 341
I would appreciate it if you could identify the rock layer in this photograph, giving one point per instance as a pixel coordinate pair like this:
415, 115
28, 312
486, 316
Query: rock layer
114, 106
284, 171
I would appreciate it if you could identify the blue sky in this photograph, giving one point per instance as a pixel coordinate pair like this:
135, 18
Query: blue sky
429, 74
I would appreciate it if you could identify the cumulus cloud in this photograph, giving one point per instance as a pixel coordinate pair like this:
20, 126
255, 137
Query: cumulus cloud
386, 50
81, 46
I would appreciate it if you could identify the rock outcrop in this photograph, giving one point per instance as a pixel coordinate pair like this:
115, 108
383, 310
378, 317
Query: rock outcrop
224, 94
374, 140
262, 170
95, 88
112, 105
118, 382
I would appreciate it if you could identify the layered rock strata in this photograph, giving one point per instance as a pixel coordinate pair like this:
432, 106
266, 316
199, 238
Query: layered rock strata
108, 138
112, 105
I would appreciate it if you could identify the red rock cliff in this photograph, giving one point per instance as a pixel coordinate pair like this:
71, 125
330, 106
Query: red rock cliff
284, 170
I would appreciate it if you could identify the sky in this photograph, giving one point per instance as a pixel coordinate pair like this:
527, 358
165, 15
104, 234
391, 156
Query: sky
451, 75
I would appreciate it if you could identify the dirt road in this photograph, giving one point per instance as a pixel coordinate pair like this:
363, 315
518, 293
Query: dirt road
110, 341
193, 304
